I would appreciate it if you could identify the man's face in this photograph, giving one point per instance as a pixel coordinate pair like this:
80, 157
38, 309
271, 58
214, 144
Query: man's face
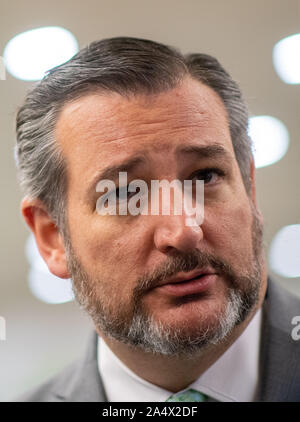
120, 264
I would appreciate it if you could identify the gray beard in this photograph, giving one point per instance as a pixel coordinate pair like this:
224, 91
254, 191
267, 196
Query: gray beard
143, 331
157, 338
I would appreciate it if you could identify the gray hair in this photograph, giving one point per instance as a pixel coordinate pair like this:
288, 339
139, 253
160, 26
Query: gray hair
124, 65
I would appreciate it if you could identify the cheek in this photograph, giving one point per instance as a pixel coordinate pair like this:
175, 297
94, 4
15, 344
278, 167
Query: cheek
107, 247
228, 231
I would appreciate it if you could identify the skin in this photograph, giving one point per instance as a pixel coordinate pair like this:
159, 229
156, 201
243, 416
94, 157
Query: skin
98, 130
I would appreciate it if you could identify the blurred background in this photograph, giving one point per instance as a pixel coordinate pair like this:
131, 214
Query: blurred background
41, 328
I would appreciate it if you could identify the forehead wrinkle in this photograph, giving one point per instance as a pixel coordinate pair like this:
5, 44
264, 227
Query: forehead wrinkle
119, 127
140, 118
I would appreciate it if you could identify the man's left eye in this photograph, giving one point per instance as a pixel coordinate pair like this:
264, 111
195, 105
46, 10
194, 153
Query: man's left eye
208, 175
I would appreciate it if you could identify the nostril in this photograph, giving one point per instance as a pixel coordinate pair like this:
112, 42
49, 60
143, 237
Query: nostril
174, 234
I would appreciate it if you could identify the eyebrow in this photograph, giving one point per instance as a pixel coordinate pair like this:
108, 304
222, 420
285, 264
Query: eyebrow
208, 151
112, 172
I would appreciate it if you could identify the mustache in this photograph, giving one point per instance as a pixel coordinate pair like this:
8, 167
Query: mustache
183, 262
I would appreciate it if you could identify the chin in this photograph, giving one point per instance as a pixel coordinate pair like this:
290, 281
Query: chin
194, 312
193, 326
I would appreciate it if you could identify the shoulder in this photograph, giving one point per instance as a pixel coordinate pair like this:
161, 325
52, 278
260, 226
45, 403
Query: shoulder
79, 381
281, 306
48, 391
280, 350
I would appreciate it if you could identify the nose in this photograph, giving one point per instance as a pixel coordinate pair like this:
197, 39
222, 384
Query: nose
173, 233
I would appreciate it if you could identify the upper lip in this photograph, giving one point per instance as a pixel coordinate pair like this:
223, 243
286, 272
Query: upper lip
185, 276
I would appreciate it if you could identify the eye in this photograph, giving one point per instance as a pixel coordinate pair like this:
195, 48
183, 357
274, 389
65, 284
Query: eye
209, 175
122, 193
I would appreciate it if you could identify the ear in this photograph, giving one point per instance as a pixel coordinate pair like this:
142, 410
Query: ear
48, 239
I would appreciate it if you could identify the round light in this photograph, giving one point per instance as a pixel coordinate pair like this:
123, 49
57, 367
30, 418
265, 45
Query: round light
286, 59
43, 284
29, 55
284, 254
270, 138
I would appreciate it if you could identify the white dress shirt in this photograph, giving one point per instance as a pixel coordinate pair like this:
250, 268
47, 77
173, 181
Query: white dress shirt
232, 378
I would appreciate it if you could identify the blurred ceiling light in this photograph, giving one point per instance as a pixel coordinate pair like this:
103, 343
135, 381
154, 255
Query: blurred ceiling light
286, 59
29, 55
284, 254
270, 138
43, 284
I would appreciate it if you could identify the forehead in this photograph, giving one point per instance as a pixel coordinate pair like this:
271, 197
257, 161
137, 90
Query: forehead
98, 128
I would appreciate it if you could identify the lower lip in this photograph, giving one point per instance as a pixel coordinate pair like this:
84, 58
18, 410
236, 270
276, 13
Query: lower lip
197, 285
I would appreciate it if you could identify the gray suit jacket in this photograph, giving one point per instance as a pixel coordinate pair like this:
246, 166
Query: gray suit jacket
279, 360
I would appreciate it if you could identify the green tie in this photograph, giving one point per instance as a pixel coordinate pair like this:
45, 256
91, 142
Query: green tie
188, 395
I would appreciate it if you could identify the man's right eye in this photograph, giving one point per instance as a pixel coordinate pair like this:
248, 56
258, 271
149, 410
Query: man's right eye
123, 194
